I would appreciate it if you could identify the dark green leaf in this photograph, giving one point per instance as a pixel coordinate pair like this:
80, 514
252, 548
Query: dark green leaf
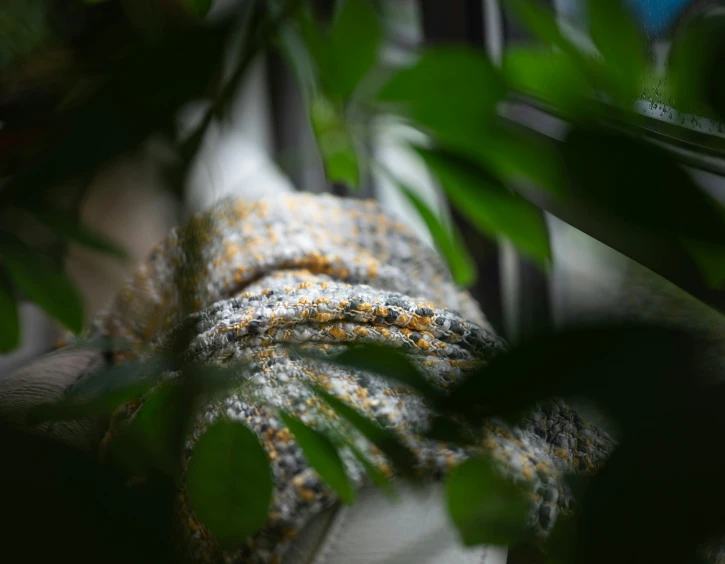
197, 8
618, 39
336, 145
147, 17
485, 507
384, 439
448, 430
322, 456
489, 205
9, 319
698, 46
710, 258
561, 540
229, 482
101, 392
142, 95
451, 91
645, 531
47, 286
356, 35
628, 370
216, 380
24, 31
155, 429
715, 85
390, 363
448, 241
130, 455
623, 178
74, 231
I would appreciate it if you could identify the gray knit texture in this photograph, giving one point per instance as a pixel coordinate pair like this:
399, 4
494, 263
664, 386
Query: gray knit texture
325, 272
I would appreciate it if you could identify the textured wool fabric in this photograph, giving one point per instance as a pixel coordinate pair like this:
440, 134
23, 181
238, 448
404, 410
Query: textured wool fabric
323, 272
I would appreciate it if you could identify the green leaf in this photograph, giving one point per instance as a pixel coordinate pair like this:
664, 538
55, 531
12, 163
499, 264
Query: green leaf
356, 35
322, 456
229, 482
485, 507
511, 155
74, 231
348, 52
384, 439
463, 115
448, 241
197, 8
336, 145
450, 91
387, 362
550, 76
542, 22
101, 392
514, 155
489, 205
47, 286
618, 39
9, 318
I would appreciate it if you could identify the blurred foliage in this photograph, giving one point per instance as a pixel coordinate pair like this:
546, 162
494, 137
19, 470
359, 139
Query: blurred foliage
23, 29
604, 178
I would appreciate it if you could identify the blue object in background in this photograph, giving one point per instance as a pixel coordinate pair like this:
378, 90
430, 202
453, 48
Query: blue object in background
656, 17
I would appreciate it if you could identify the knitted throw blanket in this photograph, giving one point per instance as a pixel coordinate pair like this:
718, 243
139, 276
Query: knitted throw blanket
326, 272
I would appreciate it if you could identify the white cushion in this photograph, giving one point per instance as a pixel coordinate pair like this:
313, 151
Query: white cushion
413, 529
46, 380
